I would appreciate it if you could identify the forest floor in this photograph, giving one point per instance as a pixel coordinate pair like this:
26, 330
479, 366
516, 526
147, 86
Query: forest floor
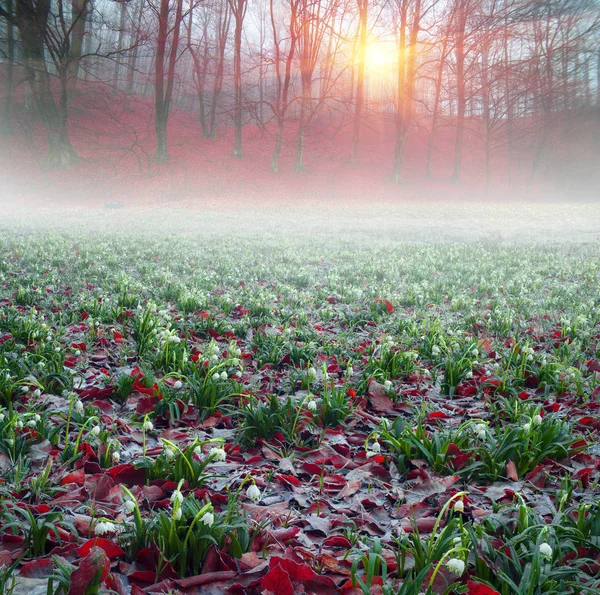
191, 407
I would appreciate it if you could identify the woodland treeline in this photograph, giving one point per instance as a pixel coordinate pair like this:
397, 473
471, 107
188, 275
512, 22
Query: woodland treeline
508, 68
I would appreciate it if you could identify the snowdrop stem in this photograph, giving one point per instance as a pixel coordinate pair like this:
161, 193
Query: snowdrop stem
450, 502
206, 508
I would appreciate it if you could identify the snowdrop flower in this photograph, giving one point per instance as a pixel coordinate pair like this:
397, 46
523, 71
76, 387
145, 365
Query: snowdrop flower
208, 519
481, 431
387, 384
31, 423
129, 506
177, 514
253, 492
349, 371
537, 419
78, 406
95, 431
219, 454
312, 372
19, 424
312, 405
104, 527
37, 417
469, 374
148, 426
169, 453
116, 456
435, 350
475, 352
459, 506
374, 449
223, 375
37, 392
177, 496
456, 566
178, 385
216, 376
545, 551
24, 389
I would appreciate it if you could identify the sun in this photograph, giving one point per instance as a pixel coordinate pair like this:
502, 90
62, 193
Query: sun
380, 55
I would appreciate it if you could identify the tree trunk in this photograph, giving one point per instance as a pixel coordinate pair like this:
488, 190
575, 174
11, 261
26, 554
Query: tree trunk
33, 28
460, 88
6, 127
79, 20
115, 81
362, 50
436, 107
239, 10
163, 93
134, 55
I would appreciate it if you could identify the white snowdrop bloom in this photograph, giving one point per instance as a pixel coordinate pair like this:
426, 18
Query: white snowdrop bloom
475, 352
223, 375
208, 519
219, 454
177, 514
216, 376
457, 541
530, 358
104, 527
387, 384
312, 372
238, 374
169, 453
24, 389
374, 449
178, 384
95, 431
527, 428
148, 426
237, 352
37, 417
545, 551
116, 456
214, 359
31, 423
129, 506
78, 406
537, 419
19, 424
459, 506
311, 405
177, 496
349, 371
469, 375
10, 442
456, 566
435, 350
37, 392
253, 492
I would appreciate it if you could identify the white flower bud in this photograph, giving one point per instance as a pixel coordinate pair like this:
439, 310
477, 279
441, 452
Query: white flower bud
208, 519
148, 426
456, 566
311, 405
178, 384
95, 431
545, 551
253, 493
219, 454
